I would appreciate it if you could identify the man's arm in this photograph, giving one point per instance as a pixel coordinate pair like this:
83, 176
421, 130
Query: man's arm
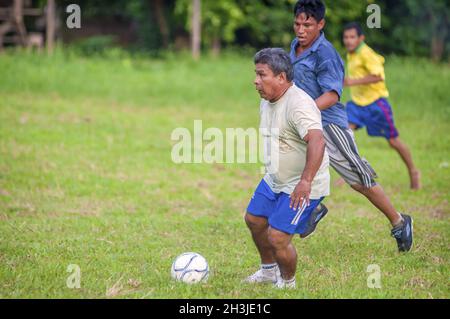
330, 77
327, 100
374, 64
368, 79
314, 156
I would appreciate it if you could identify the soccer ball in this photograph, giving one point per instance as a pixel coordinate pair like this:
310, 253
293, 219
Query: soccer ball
190, 268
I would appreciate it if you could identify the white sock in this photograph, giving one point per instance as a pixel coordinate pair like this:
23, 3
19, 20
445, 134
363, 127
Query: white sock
269, 269
289, 282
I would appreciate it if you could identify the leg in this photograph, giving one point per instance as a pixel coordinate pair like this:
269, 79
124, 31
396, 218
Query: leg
259, 228
340, 181
355, 115
383, 125
284, 252
402, 229
378, 198
405, 154
345, 159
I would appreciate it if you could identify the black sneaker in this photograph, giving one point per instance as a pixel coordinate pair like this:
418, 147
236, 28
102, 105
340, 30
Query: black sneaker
315, 218
403, 233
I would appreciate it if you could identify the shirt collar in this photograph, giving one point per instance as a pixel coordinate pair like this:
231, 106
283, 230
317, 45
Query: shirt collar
312, 48
283, 96
359, 47
357, 50
318, 42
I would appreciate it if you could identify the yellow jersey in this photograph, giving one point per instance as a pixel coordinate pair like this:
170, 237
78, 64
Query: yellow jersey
365, 61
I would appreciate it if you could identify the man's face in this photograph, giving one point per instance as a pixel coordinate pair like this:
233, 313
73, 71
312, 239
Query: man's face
307, 29
266, 83
352, 40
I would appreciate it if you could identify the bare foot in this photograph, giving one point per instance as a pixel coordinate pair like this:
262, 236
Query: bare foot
339, 182
415, 179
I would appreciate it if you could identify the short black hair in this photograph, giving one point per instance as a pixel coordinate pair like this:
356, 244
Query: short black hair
278, 61
356, 26
312, 8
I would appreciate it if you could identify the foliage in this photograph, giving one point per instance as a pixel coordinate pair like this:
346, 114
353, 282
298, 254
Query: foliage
220, 19
408, 27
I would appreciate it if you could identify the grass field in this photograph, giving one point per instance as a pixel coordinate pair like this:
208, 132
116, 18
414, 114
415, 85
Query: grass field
86, 178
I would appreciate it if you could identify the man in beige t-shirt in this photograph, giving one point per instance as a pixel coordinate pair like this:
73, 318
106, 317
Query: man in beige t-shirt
297, 176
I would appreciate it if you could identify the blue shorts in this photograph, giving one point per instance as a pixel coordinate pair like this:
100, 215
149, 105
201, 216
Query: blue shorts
275, 207
377, 117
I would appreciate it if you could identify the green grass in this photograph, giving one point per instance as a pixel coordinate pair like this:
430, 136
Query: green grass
86, 178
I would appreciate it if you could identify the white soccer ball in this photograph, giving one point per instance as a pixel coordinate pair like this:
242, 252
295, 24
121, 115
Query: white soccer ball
190, 268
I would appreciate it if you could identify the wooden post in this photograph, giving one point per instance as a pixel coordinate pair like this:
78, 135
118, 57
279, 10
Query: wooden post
4, 28
158, 6
18, 21
196, 29
50, 25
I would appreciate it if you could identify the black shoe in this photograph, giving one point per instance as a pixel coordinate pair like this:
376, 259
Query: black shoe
315, 218
403, 233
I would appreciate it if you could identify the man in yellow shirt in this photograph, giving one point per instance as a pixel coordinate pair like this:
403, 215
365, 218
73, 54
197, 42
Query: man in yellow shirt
369, 106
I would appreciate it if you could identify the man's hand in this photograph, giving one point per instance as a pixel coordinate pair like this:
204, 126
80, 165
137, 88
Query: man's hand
300, 195
314, 157
348, 82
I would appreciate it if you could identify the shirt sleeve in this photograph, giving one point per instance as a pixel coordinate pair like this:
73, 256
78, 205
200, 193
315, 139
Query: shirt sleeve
374, 63
330, 76
304, 117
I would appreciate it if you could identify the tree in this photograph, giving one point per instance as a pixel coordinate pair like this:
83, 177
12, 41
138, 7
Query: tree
433, 17
338, 13
158, 6
220, 19
196, 28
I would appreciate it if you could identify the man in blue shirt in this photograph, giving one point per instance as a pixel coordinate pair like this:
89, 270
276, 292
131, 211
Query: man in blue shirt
319, 71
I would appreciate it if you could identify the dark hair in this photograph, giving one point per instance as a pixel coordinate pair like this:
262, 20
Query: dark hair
312, 8
354, 25
278, 61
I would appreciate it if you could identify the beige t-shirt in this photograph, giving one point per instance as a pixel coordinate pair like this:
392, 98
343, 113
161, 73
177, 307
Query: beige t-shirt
284, 124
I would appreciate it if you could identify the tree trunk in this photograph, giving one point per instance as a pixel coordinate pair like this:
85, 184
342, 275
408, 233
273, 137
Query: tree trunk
4, 28
196, 29
216, 46
437, 48
439, 25
158, 5
18, 21
50, 25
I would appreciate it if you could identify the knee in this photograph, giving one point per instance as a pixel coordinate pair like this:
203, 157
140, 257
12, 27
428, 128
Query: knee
255, 223
362, 189
357, 187
277, 239
393, 142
